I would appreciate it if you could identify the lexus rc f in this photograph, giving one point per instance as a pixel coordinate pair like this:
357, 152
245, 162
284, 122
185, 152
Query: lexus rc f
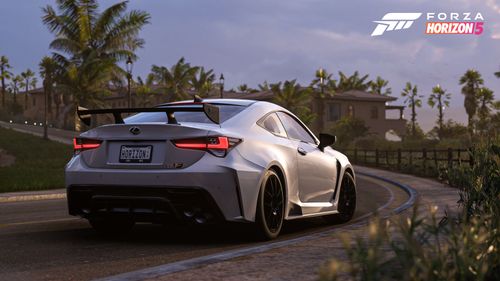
206, 161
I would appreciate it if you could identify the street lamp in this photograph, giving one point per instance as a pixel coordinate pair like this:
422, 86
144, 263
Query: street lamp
129, 67
221, 82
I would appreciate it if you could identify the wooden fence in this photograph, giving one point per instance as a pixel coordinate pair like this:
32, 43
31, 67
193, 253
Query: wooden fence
424, 161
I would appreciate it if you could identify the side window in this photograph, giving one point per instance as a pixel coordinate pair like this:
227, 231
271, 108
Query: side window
294, 129
273, 125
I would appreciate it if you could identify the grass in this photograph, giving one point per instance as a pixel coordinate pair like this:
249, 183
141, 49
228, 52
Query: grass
39, 163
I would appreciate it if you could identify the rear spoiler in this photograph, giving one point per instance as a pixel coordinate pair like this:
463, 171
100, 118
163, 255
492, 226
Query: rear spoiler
210, 110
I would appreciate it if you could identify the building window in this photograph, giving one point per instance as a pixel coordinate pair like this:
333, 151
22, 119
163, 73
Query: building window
374, 112
350, 110
333, 111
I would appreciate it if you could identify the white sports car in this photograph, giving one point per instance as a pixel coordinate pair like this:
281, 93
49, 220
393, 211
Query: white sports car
205, 161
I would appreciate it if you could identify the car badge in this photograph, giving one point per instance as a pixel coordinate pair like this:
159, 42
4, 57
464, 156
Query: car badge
135, 130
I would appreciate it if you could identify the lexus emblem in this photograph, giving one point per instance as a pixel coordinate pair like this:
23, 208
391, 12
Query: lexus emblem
135, 130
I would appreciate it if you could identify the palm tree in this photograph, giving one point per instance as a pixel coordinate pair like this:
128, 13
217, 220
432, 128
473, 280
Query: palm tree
176, 80
440, 98
471, 82
27, 76
88, 82
264, 87
203, 82
486, 98
497, 74
322, 80
144, 91
414, 101
243, 88
293, 97
14, 86
377, 85
353, 82
4, 75
48, 68
80, 29
87, 37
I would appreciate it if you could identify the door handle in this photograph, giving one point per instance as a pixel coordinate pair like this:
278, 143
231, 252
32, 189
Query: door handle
301, 151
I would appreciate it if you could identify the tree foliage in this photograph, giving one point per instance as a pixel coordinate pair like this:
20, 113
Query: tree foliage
295, 98
348, 129
176, 80
48, 70
439, 98
89, 44
379, 86
203, 82
5, 75
413, 100
471, 82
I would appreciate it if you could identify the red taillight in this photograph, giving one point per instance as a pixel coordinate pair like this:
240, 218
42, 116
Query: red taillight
80, 144
217, 145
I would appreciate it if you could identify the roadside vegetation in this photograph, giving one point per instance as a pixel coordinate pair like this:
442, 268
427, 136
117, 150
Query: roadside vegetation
39, 164
424, 246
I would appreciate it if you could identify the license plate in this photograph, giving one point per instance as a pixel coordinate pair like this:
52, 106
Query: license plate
136, 153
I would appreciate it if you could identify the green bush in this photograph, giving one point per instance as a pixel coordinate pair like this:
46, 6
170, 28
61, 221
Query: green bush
463, 246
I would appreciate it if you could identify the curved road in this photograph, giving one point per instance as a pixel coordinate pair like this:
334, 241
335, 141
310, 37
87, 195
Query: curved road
39, 241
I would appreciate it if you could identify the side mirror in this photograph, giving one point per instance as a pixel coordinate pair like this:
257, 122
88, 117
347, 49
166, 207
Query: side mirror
326, 140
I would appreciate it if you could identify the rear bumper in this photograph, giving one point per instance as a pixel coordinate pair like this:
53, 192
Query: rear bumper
231, 184
146, 204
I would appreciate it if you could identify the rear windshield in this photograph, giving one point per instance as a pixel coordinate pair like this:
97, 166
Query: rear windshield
226, 111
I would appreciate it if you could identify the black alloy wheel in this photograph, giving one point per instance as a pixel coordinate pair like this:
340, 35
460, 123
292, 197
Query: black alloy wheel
270, 206
347, 201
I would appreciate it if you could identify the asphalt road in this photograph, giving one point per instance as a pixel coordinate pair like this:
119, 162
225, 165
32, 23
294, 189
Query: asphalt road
39, 241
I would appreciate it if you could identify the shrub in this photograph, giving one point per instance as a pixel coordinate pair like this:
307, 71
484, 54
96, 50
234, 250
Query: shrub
463, 246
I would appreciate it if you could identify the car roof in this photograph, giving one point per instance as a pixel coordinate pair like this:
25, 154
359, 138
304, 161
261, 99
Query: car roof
238, 102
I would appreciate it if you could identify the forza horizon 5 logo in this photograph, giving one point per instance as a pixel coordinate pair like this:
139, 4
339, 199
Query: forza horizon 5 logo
436, 23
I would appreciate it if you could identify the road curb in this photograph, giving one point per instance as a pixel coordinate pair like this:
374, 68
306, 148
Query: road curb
32, 197
412, 193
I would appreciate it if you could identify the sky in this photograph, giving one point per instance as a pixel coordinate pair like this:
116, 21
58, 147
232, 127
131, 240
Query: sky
257, 40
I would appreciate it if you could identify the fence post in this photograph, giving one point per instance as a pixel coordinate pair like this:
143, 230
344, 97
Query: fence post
424, 156
399, 159
376, 157
355, 155
450, 157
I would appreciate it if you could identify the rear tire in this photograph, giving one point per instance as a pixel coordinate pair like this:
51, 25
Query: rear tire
347, 201
270, 207
111, 226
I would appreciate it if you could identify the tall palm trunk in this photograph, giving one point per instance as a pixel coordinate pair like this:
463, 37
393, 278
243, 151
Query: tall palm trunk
3, 85
3, 92
441, 117
413, 118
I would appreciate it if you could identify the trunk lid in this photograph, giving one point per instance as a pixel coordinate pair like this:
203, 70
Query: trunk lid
122, 143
